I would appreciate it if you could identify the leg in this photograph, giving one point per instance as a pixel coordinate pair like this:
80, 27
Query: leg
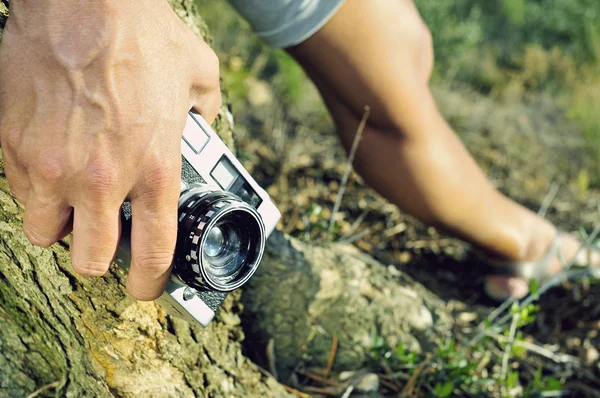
379, 53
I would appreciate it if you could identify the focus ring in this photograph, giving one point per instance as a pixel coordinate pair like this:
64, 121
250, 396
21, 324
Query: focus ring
199, 214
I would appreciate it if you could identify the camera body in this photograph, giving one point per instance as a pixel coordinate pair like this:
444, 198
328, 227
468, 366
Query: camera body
225, 218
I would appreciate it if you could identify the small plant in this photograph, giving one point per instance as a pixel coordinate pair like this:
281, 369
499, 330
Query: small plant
461, 367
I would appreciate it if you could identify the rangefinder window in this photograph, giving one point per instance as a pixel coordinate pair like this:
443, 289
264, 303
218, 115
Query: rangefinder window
224, 173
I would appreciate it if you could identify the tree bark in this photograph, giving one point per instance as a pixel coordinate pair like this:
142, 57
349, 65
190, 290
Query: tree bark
71, 336
304, 294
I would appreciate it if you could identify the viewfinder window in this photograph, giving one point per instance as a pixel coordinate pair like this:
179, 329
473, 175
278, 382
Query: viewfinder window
224, 173
194, 135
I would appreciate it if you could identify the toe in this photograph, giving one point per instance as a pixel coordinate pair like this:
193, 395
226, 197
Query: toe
502, 288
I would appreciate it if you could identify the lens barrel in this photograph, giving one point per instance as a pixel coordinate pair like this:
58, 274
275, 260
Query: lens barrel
221, 239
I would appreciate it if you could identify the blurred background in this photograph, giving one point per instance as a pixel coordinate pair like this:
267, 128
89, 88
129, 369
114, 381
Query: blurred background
519, 80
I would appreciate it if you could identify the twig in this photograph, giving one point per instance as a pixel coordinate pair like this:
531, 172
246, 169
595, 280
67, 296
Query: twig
548, 200
354, 383
295, 392
323, 391
318, 378
503, 307
40, 390
392, 386
332, 353
356, 236
410, 384
400, 376
352, 154
386, 369
355, 224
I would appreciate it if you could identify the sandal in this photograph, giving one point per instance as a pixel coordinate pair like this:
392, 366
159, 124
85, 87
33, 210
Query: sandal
540, 270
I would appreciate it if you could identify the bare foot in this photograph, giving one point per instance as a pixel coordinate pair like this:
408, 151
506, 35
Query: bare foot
503, 287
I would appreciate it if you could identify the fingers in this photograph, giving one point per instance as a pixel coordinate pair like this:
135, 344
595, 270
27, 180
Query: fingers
206, 90
208, 106
96, 231
153, 233
45, 220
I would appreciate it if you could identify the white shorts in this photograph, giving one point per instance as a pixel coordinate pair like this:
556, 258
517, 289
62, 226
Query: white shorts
285, 23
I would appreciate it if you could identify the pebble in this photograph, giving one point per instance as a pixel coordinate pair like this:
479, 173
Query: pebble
368, 383
591, 355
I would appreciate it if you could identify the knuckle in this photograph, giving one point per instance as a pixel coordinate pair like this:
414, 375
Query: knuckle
37, 238
12, 140
163, 173
212, 61
206, 73
102, 176
19, 196
156, 262
218, 103
49, 166
87, 267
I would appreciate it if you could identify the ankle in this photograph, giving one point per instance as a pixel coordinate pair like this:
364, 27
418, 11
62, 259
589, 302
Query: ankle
539, 238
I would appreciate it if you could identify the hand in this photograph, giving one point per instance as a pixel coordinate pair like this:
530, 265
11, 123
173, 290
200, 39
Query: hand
93, 99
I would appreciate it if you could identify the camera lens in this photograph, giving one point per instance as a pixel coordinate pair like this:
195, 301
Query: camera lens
215, 242
221, 240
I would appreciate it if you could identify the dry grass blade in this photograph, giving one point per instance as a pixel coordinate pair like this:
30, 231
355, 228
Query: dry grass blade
318, 378
332, 353
547, 202
270, 353
541, 351
359, 220
356, 236
322, 391
295, 392
353, 384
409, 387
349, 162
388, 384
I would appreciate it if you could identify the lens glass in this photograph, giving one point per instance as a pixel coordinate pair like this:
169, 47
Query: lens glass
222, 249
232, 248
215, 242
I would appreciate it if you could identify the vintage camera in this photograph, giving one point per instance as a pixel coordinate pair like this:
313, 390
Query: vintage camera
225, 218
